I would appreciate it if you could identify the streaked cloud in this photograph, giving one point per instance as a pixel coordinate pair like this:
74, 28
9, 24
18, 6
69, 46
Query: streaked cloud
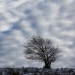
20, 19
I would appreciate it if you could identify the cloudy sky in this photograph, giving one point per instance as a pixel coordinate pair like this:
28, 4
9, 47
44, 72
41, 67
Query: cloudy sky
20, 19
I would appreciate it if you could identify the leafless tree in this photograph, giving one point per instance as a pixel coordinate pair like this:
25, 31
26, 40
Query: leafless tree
40, 49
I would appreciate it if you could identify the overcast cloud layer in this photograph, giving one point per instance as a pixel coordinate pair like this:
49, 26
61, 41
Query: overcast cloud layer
20, 19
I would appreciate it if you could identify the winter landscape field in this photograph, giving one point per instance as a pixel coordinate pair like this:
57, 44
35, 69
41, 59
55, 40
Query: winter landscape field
36, 71
50, 19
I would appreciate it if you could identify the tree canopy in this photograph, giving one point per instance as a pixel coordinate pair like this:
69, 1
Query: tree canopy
40, 49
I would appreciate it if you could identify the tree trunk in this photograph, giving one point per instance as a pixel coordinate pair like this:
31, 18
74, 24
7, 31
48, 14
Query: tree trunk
47, 65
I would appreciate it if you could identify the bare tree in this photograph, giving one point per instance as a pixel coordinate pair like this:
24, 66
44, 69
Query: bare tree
40, 49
